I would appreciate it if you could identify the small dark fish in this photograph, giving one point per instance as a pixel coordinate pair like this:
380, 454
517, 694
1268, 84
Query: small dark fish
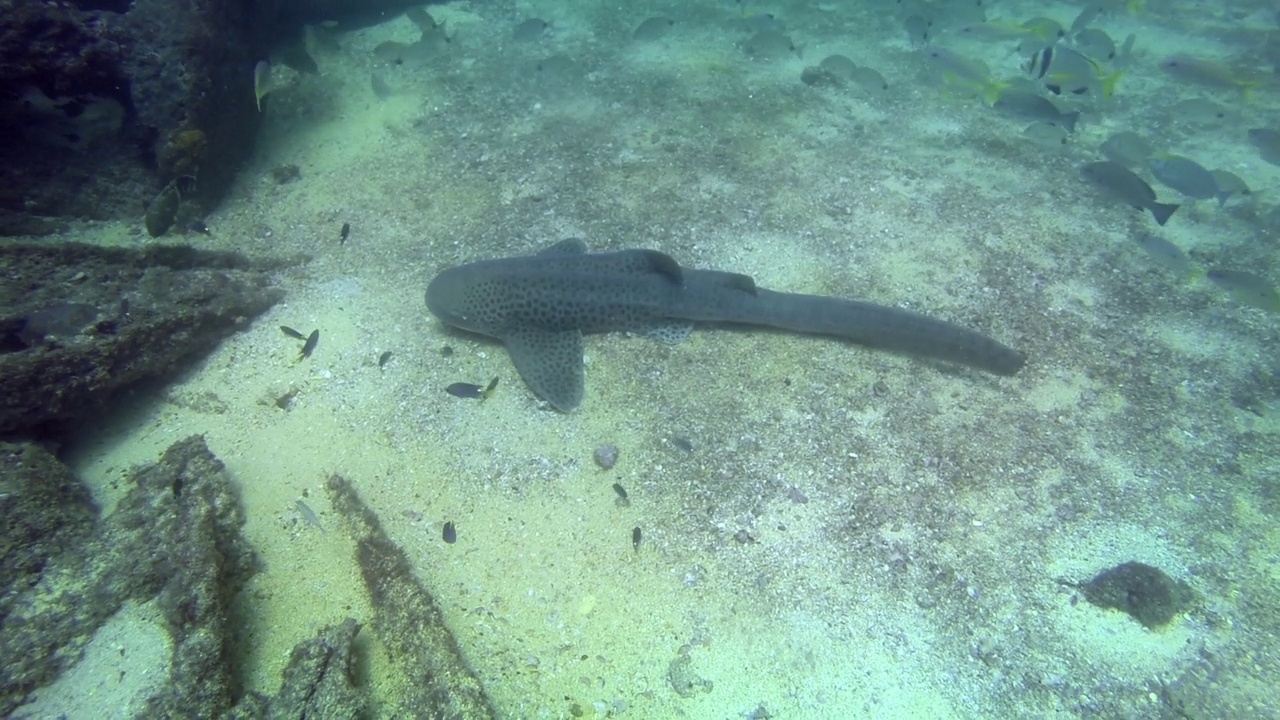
1267, 141
1128, 149
839, 65
464, 390
769, 45
292, 333
684, 444
346, 233
421, 18
58, 320
1033, 106
869, 80
308, 514
450, 533
1229, 185
383, 358
918, 29
635, 538
1184, 175
310, 345
653, 28
530, 29
623, 500
1120, 184
475, 392
198, 226
1247, 288
381, 89
1167, 254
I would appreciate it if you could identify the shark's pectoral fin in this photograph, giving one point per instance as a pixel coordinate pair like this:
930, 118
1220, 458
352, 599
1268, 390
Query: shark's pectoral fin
550, 363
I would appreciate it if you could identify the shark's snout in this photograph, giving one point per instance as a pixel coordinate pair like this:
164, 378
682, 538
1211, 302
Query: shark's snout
443, 293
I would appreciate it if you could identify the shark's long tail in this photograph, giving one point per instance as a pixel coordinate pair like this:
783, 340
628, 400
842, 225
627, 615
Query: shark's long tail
882, 327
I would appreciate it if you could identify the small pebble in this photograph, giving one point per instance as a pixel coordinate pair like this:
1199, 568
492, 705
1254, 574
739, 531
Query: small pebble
606, 456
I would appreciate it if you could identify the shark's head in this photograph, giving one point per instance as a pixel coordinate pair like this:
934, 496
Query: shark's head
448, 299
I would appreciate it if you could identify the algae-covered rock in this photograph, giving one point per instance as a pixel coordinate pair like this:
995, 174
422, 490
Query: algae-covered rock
408, 620
1144, 592
143, 312
175, 538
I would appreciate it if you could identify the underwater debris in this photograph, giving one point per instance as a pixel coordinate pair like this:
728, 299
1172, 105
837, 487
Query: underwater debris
683, 679
606, 456
408, 620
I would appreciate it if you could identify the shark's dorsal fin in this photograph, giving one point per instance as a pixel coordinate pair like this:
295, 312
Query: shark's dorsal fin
568, 246
662, 264
746, 283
